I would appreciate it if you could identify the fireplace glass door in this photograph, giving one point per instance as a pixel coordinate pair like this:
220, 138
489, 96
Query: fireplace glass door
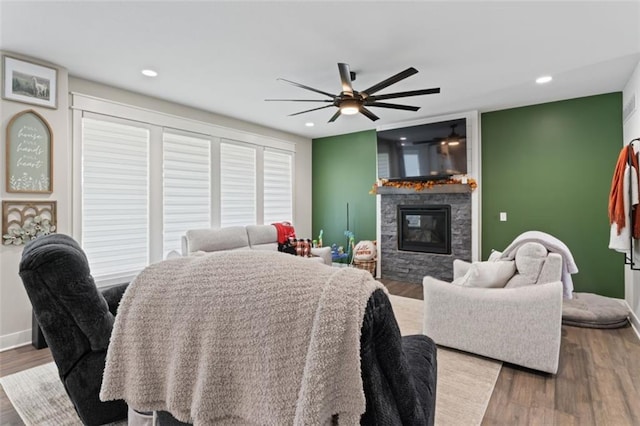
425, 228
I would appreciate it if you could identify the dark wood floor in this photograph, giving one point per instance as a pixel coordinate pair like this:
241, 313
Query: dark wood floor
598, 381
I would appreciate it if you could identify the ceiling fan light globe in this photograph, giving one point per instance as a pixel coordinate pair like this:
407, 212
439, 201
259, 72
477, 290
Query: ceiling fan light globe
349, 110
349, 107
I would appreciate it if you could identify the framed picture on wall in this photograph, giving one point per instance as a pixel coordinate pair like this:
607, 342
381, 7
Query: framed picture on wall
29, 147
30, 83
23, 221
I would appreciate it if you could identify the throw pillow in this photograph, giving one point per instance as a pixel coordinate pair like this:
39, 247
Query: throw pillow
365, 250
494, 274
287, 247
530, 258
495, 255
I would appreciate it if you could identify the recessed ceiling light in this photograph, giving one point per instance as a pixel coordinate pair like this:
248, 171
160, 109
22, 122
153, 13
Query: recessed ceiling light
544, 79
403, 138
149, 73
309, 124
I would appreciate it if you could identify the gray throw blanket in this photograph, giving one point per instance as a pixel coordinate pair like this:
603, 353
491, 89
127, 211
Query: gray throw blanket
241, 337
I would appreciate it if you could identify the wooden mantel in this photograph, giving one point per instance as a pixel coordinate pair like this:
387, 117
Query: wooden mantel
435, 189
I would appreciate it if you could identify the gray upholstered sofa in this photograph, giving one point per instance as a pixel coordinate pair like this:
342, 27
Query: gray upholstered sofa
519, 324
256, 237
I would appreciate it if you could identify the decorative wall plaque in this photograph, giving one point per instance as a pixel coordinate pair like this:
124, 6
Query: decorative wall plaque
23, 221
29, 147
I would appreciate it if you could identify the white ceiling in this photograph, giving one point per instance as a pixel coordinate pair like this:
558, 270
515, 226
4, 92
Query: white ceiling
225, 57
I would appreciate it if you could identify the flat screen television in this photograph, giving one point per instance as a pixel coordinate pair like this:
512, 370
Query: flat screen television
424, 152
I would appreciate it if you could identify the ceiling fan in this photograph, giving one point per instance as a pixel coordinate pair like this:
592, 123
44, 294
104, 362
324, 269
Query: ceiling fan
350, 101
452, 139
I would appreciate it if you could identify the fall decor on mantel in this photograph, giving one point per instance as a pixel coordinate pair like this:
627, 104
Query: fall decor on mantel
422, 185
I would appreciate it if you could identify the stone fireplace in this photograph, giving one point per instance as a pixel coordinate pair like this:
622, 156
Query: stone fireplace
422, 232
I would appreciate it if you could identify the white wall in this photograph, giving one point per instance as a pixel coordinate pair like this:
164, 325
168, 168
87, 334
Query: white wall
631, 130
15, 308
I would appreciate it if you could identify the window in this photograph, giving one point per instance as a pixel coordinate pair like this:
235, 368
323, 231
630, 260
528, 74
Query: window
237, 185
115, 198
411, 164
383, 165
141, 182
186, 171
278, 187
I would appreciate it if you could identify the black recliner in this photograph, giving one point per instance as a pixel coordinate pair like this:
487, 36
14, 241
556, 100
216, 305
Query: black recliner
76, 320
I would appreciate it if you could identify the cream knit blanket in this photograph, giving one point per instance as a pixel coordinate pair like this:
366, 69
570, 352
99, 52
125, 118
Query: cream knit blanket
241, 337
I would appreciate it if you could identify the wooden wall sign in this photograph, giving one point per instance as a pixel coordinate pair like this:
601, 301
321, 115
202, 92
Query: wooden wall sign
23, 221
29, 146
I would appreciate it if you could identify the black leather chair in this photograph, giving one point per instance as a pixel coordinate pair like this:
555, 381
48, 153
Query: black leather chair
76, 320
398, 373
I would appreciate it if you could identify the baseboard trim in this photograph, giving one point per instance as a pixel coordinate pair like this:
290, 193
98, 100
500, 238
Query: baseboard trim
633, 318
15, 340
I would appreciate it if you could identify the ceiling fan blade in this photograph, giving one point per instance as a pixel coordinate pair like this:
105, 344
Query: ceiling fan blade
309, 110
391, 80
404, 94
392, 106
345, 78
371, 116
335, 116
302, 86
298, 100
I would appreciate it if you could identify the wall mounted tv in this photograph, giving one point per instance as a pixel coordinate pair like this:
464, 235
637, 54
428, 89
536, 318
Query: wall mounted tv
423, 152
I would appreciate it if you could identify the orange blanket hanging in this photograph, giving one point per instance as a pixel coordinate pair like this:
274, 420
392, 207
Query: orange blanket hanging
617, 213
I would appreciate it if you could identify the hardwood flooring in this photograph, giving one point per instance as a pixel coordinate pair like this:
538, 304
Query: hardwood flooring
598, 381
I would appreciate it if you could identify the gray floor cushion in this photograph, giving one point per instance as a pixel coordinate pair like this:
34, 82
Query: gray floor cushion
594, 311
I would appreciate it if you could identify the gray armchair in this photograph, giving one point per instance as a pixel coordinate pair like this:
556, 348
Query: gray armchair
519, 324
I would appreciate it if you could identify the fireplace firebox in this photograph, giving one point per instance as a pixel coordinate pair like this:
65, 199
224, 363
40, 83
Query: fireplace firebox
424, 228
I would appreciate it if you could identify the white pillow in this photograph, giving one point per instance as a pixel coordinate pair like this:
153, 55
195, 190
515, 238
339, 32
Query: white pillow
365, 250
495, 255
529, 260
173, 254
494, 274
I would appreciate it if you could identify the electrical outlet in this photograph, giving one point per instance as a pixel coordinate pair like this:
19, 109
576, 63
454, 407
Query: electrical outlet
503, 216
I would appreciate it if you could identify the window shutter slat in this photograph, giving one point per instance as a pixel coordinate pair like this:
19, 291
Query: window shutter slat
237, 185
115, 198
186, 187
278, 187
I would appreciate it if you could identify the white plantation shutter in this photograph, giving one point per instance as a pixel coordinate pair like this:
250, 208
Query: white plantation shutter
115, 199
186, 170
278, 187
142, 178
237, 185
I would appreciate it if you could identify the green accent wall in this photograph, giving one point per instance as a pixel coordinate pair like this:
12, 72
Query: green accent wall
549, 166
344, 170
